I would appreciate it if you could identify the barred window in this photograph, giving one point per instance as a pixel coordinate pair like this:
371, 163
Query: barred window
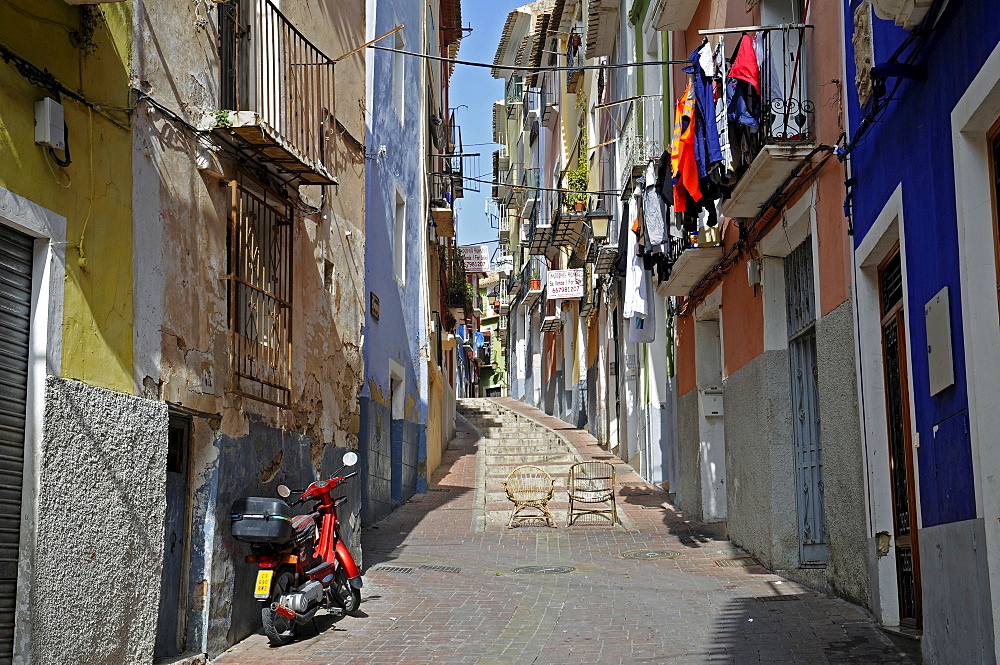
260, 293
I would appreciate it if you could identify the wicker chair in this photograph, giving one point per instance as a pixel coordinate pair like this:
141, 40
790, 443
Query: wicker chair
592, 483
530, 488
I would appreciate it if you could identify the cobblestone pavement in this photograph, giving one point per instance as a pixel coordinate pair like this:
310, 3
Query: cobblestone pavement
441, 581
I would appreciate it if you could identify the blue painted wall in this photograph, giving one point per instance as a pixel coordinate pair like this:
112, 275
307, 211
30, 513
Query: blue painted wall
391, 450
911, 144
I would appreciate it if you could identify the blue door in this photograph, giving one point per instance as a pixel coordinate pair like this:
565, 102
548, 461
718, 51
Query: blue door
800, 295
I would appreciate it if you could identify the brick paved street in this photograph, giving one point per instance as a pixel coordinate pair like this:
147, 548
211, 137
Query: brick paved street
441, 586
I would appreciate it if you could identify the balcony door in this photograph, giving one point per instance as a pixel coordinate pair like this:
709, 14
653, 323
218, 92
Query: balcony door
784, 72
234, 55
901, 468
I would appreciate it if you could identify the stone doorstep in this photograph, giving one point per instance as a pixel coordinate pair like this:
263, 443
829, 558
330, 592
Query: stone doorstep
185, 659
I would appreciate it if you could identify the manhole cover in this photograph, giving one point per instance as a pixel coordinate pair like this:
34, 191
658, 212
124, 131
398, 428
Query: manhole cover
442, 569
651, 554
737, 562
395, 569
544, 570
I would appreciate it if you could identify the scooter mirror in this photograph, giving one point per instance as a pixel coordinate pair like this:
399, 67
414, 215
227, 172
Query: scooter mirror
350, 459
284, 492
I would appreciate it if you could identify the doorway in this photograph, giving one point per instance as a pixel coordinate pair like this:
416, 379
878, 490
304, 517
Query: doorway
170, 626
901, 467
16, 265
800, 298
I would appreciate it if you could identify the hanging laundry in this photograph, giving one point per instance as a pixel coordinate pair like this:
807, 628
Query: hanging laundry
683, 167
745, 66
707, 151
721, 109
744, 107
770, 85
636, 296
654, 213
642, 327
663, 185
624, 230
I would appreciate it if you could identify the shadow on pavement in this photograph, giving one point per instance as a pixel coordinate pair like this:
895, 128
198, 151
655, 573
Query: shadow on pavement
798, 629
384, 541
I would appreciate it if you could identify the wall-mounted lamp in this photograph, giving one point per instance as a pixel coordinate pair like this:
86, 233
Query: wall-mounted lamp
599, 221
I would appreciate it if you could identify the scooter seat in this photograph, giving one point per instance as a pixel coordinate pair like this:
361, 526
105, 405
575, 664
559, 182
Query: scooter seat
303, 528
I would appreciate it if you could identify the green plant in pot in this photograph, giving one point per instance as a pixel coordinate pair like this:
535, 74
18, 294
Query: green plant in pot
534, 281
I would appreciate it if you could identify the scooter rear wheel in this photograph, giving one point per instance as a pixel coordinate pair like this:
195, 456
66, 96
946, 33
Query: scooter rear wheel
279, 630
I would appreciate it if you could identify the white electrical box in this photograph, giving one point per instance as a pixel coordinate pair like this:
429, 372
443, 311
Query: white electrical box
711, 401
940, 365
50, 127
753, 272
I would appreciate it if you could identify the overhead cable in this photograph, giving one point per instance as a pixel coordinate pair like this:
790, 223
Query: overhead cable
515, 68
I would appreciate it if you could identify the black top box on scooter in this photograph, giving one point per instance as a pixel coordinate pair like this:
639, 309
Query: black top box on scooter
258, 519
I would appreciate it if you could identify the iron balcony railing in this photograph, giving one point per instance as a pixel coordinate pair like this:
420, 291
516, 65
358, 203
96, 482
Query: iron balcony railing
574, 60
783, 113
277, 74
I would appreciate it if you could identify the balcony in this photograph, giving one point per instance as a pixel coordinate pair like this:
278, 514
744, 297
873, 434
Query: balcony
540, 234
574, 60
531, 282
674, 14
503, 231
635, 152
514, 283
552, 323
690, 265
277, 93
602, 27
905, 13
606, 257
783, 135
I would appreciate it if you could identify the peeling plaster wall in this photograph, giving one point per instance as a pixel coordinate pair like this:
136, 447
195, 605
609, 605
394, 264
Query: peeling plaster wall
182, 332
101, 478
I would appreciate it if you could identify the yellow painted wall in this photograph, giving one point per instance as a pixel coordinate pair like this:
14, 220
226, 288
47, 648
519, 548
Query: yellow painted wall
434, 433
90, 56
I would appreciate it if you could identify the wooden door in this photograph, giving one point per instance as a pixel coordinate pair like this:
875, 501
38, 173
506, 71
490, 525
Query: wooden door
901, 469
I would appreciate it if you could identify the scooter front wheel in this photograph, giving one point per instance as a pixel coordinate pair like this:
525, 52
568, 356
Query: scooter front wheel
344, 594
279, 630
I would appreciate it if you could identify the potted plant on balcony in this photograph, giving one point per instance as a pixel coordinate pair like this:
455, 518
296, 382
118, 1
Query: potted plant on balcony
534, 282
575, 199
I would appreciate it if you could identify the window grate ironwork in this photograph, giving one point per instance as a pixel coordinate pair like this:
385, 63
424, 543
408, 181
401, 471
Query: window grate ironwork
260, 293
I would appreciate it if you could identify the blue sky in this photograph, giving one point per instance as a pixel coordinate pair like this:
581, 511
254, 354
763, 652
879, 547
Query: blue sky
476, 89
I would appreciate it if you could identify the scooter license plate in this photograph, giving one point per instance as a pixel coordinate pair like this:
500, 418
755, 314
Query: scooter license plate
263, 589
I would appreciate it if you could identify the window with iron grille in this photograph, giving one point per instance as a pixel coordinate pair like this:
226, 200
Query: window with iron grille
260, 293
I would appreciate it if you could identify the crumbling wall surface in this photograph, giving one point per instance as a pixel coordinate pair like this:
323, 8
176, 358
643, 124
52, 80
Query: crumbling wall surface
102, 473
183, 193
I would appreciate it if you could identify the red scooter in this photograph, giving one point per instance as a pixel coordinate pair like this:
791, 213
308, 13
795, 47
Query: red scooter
303, 565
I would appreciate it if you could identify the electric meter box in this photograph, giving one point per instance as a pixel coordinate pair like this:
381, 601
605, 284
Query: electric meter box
50, 127
711, 401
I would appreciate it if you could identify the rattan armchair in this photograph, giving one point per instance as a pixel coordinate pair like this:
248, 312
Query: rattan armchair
592, 483
530, 489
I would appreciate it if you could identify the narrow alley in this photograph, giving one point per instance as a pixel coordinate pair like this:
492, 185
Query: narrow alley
447, 582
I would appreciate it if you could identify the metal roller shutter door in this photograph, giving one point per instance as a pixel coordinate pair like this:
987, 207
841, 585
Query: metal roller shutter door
15, 311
